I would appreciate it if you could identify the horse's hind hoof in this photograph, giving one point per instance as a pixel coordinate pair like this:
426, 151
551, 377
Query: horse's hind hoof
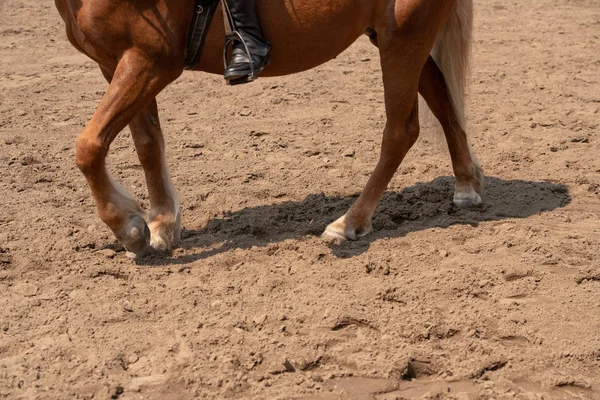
467, 200
344, 229
136, 236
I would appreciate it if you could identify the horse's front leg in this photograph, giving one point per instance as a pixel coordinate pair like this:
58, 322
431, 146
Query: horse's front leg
165, 218
133, 85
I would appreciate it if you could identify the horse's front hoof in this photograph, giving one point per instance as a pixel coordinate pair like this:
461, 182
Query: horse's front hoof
135, 236
470, 199
347, 229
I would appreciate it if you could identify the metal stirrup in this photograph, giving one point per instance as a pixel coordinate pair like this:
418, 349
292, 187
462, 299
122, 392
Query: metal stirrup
231, 35
229, 40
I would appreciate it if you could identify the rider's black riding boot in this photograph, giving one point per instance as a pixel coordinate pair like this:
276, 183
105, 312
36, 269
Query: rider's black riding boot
244, 14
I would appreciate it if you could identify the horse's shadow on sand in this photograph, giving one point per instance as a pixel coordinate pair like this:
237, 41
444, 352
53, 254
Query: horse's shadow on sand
419, 207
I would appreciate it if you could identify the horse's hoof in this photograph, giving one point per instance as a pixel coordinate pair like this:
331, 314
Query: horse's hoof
165, 233
467, 199
136, 236
159, 243
341, 230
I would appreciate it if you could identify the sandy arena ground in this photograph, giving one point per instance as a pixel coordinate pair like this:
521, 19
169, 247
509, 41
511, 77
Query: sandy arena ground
497, 303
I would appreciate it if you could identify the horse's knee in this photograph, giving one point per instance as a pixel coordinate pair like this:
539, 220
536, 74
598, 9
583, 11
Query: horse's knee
89, 154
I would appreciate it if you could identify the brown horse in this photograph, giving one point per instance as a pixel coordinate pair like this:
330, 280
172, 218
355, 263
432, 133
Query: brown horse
140, 46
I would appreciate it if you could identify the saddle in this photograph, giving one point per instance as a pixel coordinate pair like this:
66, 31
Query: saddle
204, 11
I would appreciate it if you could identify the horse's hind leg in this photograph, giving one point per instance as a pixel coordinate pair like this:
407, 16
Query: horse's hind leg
135, 83
165, 219
403, 54
469, 178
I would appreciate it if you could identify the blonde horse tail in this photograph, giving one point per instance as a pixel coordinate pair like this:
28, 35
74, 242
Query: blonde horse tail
452, 54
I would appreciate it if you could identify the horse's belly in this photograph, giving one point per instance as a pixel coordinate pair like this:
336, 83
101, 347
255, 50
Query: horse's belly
303, 33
